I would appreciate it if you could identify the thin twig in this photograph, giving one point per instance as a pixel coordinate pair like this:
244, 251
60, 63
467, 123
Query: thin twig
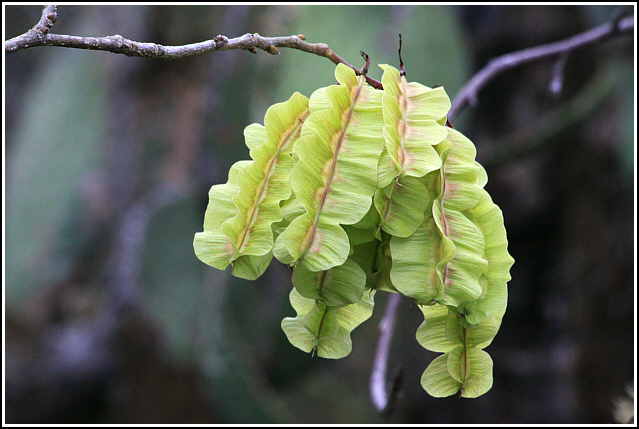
468, 93
382, 398
402, 70
557, 76
120, 45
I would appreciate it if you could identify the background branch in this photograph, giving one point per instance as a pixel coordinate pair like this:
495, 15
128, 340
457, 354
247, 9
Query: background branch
383, 398
468, 93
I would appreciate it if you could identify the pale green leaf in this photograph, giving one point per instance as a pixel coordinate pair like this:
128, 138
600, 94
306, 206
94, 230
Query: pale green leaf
411, 129
241, 213
487, 216
401, 205
353, 315
437, 381
325, 329
335, 175
263, 184
212, 246
414, 267
431, 334
473, 368
464, 366
460, 275
336, 287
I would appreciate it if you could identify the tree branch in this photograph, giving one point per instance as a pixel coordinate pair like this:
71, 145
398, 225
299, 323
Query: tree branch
39, 36
468, 93
36, 35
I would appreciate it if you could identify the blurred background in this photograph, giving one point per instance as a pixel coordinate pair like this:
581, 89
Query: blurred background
110, 317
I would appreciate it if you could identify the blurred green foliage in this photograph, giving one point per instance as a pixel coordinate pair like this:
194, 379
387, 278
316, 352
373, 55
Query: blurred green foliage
57, 147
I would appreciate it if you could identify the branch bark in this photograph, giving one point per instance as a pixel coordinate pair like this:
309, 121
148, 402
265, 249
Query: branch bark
39, 36
467, 95
36, 35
